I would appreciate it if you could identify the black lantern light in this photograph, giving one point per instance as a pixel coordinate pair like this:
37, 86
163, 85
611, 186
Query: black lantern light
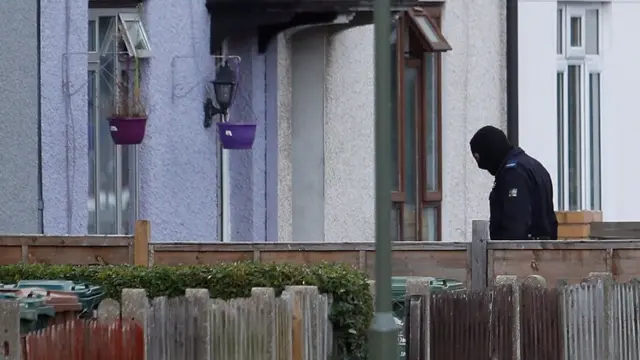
224, 88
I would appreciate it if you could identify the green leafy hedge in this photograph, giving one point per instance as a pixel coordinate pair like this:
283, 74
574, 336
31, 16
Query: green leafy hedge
351, 309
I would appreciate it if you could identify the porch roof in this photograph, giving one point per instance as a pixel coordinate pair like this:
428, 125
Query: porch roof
267, 18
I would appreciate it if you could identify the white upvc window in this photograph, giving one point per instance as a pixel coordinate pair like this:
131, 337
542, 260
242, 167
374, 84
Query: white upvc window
113, 170
579, 78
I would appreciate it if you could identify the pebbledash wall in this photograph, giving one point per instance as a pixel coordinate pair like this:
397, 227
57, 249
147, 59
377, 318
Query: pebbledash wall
19, 117
326, 148
178, 168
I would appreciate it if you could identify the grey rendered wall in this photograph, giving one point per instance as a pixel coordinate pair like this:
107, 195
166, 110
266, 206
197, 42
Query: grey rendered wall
18, 117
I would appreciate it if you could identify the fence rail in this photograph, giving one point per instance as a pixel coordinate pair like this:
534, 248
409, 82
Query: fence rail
476, 263
597, 319
193, 327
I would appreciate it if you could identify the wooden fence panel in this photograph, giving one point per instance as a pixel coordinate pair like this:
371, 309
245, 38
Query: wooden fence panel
461, 325
501, 320
81, 340
585, 326
541, 325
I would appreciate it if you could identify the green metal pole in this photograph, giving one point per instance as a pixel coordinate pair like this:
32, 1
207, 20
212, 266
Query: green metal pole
383, 336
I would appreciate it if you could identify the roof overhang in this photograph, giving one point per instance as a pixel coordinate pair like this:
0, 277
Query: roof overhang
267, 18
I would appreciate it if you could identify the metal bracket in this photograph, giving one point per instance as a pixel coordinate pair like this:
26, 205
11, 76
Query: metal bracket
180, 90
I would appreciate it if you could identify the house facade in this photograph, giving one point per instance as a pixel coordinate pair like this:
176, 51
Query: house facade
577, 101
308, 86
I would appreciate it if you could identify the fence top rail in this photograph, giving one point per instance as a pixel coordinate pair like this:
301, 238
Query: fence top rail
359, 246
66, 240
563, 244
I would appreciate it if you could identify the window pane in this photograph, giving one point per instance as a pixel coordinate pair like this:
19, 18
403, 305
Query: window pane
574, 131
576, 31
431, 128
91, 122
410, 93
428, 29
430, 223
395, 222
135, 32
106, 150
559, 32
594, 99
91, 39
591, 30
395, 125
104, 22
561, 144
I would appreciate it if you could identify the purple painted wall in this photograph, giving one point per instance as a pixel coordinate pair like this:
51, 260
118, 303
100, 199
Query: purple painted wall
178, 169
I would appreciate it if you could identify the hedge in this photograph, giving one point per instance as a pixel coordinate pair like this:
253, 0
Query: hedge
351, 309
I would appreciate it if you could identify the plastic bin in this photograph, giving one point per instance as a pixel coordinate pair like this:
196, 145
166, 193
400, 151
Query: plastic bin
65, 305
89, 296
34, 313
398, 292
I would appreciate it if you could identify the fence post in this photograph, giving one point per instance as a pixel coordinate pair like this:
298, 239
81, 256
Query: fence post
606, 280
135, 306
108, 311
142, 234
198, 300
478, 254
10, 348
422, 287
299, 295
512, 281
266, 300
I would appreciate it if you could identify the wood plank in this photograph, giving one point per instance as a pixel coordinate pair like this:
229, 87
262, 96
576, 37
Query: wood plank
563, 245
141, 243
615, 230
625, 265
78, 255
446, 264
198, 258
359, 246
310, 257
478, 254
65, 240
10, 255
553, 265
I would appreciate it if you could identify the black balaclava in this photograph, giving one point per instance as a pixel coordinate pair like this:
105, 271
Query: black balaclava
492, 147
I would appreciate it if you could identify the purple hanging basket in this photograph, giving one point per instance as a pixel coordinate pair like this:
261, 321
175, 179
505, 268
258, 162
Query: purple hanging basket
236, 136
127, 130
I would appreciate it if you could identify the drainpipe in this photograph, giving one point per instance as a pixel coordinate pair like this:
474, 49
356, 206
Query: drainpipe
512, 71
39, 109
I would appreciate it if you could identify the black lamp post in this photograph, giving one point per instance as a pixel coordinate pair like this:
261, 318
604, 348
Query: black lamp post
224, 88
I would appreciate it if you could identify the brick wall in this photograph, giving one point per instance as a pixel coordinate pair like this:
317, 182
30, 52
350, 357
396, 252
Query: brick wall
576, 224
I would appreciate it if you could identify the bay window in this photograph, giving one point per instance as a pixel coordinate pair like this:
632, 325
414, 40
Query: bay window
416, 136
578, 84
113, 177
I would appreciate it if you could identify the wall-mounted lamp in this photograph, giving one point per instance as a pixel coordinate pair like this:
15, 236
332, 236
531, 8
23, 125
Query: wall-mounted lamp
224, 88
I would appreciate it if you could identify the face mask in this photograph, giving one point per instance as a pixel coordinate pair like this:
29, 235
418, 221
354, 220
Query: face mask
490, 147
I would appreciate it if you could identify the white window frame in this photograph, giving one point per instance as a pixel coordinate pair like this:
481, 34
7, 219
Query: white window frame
94, 65
589, 64
123, 18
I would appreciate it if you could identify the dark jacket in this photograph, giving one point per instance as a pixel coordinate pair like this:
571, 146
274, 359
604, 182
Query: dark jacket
522, 200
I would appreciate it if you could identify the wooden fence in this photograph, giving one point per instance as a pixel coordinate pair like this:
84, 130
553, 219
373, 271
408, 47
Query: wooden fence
80, 340
597, 319
294, 326
475, 263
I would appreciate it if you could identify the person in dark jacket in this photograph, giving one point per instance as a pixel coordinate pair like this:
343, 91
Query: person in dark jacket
521, 201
